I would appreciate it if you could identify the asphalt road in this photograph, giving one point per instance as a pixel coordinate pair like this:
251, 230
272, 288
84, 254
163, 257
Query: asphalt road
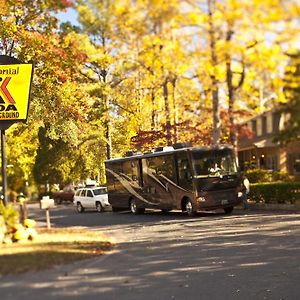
246, 255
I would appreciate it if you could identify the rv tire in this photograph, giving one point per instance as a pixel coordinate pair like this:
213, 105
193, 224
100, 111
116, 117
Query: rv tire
189, 208
135, 209
228, 210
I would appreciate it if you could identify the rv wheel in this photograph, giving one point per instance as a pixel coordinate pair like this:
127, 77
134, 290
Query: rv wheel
228, 210
189, 208
134, 209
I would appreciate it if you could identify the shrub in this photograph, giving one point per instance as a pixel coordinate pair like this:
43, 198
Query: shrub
10, 228
277, 192
260, 175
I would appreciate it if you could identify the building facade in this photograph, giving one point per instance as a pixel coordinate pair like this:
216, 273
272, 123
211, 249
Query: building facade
258, 150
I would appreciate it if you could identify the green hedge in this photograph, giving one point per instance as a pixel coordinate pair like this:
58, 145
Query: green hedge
260, 175
276, 192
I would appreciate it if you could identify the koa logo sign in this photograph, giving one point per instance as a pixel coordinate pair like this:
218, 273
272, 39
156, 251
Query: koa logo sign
15, 81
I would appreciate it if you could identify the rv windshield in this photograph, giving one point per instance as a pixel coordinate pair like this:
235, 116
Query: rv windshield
213, 163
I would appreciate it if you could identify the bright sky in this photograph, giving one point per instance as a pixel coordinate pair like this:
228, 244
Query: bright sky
70, 15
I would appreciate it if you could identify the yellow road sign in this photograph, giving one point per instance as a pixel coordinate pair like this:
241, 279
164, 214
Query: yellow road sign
15, 84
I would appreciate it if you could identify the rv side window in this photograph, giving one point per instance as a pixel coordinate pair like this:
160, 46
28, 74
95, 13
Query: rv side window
117, 168
167, 167
184, 170
130, 170
162, 166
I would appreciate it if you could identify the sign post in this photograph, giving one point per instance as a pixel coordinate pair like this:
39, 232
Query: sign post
15, 85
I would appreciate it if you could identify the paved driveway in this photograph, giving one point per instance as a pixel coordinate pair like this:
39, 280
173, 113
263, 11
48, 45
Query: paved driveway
213, 256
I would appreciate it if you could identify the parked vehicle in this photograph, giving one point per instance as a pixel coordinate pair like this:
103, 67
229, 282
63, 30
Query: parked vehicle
91, 198
187, 178
63, 196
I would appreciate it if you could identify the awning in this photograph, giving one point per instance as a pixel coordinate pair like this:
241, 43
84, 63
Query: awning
266, 143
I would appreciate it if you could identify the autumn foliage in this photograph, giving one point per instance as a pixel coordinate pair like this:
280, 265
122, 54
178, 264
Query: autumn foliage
140, 74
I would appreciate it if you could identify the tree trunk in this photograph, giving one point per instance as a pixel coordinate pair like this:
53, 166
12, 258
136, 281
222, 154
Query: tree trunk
231, 100
167, 111
153, 115
175, 115
231, 93
107, 120
216, 133
108, 139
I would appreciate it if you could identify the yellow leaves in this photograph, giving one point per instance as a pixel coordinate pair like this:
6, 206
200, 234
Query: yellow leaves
195, 18
291, 69
86, 16
3, 7
121, 7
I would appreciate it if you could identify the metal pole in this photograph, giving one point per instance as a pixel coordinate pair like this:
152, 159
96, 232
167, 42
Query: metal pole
48, 218
4, 163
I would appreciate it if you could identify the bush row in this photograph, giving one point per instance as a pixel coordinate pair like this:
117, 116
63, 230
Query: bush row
275, 192
260, 175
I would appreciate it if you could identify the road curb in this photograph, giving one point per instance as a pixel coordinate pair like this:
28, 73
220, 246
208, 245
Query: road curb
277, 206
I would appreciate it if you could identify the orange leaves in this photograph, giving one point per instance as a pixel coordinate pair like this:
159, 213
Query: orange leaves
67, 3
3, 7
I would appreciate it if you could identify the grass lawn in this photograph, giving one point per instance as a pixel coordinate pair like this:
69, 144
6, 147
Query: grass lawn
52, 247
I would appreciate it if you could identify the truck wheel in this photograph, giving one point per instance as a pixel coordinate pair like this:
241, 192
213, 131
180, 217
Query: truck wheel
79, 207
99, 207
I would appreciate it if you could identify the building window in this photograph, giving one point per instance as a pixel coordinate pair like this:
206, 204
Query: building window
272, 163
269, 123
262, 161
259, 127
264, 125
296, 165
276, 120
254, 127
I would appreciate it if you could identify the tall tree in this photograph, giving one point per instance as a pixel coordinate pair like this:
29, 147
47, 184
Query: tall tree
29, 32
214, 81
242, 33
291, 108
96, 19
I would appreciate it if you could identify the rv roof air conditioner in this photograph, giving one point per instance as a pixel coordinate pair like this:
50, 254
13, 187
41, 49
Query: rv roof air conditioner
163, 149
182, 145
132, 153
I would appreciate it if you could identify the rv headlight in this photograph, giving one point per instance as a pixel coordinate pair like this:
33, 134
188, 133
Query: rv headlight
240, 194
201, 199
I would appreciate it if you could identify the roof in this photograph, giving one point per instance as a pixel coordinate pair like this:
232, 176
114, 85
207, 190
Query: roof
263, 143
170, 150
